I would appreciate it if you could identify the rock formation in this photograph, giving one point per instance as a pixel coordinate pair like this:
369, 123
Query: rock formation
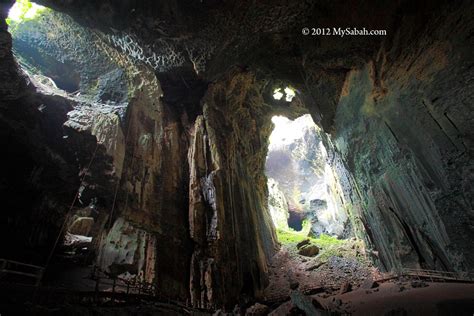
157, 116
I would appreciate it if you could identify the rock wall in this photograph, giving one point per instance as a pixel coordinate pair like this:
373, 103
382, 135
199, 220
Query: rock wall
129, 252
278, 205
182, 200
228, 214
128, 150
402, 131
31, 134
153, 190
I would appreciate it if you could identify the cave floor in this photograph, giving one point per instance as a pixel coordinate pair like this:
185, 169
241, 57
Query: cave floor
340, 285
320, 273
403, 298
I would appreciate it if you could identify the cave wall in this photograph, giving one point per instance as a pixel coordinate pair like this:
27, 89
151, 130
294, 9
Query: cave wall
130, 152
151, 202
190, 212
31, 135
228, 214
402, 128
127, 150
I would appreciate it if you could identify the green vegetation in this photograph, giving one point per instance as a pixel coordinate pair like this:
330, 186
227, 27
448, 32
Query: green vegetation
290, 236
329, 246
23, 10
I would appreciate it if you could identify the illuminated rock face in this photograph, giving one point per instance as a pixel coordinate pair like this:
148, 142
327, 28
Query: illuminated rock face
278, 205
229, 219
408, 162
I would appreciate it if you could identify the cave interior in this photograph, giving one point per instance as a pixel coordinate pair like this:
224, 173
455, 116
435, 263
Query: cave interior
220, 157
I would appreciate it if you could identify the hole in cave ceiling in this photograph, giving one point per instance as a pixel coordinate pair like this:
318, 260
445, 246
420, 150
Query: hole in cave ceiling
287, 92
23, 10
25, 23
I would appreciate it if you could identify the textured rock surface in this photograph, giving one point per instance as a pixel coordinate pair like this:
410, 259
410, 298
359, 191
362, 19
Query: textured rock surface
127, 251
95, 140
402, 136
191, 212
278, 205
229, 218
308, 250
72, 56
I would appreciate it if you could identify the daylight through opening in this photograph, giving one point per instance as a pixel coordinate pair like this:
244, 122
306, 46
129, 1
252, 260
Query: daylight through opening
300, 181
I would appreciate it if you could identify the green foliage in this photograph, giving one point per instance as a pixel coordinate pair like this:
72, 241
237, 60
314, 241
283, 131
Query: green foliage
326, 241
329, 246
22, 11
290, 236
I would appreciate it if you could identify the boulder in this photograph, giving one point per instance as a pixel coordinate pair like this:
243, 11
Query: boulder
305, 304
302, 243
257, 310
309, 250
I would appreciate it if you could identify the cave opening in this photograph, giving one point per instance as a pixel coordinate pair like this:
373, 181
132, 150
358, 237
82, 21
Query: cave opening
300, 180
287, 92
34, 35
295, 220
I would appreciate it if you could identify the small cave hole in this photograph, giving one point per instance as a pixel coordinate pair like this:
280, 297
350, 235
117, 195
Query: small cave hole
295, 220
287, 92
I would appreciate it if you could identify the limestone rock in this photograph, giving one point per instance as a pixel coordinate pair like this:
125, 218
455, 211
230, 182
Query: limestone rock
278, 205
127, 248
76, 241
369, 283
229, 219
346, 287
309, 250
398, 110
303, 243
257, 310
